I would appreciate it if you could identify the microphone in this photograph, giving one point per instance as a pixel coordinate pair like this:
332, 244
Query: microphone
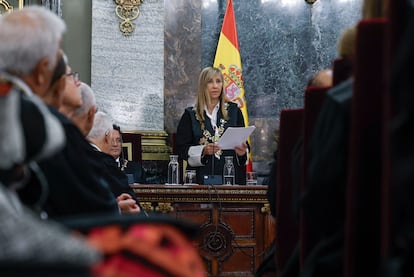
213, 179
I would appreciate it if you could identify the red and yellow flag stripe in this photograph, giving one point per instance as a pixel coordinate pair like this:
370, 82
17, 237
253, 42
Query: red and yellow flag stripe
229, 61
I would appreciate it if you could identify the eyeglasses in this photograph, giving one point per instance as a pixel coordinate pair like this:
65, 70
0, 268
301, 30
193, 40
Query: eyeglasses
116, 141
75, 76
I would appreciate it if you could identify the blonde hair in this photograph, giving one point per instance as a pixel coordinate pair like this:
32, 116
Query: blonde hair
346, 43
203, 97
373, 8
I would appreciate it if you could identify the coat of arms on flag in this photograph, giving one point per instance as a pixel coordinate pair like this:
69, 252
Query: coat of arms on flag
233, 84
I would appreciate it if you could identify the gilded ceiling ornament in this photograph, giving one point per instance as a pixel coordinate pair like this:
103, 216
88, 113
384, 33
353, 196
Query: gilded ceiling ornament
7, 7
127, 11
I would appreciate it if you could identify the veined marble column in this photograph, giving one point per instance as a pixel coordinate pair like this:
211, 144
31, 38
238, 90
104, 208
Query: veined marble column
127, 72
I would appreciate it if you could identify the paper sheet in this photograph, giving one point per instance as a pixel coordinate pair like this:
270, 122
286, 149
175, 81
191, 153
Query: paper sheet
234, 136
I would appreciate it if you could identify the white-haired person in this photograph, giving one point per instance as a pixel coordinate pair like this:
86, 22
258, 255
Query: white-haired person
29, 51
84, 116
100, 137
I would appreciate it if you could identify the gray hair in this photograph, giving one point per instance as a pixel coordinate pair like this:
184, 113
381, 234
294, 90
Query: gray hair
27, 36
88, 100
102, 125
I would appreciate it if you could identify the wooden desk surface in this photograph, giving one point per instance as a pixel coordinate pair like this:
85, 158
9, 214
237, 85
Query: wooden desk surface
201, 193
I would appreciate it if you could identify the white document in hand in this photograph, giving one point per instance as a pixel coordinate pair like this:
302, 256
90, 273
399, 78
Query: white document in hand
234, 136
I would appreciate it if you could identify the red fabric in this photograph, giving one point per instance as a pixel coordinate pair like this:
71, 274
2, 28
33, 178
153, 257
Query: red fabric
145, 250
291, 129
362, 228
314, 97
5, 88
229, 25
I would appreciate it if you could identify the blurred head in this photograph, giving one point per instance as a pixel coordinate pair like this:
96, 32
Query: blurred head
322, 78
116, 142
30, 42
72, 99
347, 42
210, 87
54, 96
101, 132
83, 117
28, 131
373, 8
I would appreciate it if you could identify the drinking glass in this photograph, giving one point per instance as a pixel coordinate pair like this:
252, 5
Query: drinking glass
190, 175
251, 178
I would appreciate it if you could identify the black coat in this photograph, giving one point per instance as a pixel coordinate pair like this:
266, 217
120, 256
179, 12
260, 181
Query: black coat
189, 134
74, 176
324, 200
117, 180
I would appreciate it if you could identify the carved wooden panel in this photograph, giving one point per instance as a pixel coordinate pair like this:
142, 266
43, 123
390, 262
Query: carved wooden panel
235, 223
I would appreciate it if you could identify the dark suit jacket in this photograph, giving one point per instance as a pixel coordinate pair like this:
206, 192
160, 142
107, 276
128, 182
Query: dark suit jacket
118, 181
324, 201
74, 176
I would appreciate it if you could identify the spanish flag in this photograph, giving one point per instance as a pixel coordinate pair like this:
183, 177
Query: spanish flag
229, 61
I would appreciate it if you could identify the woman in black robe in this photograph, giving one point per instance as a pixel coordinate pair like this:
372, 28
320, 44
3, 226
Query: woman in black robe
201, 126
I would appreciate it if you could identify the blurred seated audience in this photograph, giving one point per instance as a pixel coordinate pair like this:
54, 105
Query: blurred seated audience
322, 78
84, 116
323, 202
100, 137
30, 132
75, 185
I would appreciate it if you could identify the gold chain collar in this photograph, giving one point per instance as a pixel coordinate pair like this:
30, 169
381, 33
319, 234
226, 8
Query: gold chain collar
207, 137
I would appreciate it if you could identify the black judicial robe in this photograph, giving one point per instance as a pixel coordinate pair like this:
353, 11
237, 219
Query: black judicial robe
74, 176
324, 200
118, 180
189, 134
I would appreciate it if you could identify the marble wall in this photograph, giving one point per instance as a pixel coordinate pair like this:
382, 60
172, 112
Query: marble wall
127, 72
146, 80
282, 44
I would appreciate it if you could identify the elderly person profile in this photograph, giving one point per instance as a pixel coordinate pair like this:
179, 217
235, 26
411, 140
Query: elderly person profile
202, 125
100, 137
29, 52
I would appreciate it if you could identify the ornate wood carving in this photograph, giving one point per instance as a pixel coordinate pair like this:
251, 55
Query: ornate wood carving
235, 225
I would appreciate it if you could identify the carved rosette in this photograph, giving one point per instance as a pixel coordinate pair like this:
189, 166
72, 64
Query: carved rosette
216, 241
127, 11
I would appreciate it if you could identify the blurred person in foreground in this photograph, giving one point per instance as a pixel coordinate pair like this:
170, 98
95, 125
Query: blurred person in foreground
83, 117
75, 185
29, 52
